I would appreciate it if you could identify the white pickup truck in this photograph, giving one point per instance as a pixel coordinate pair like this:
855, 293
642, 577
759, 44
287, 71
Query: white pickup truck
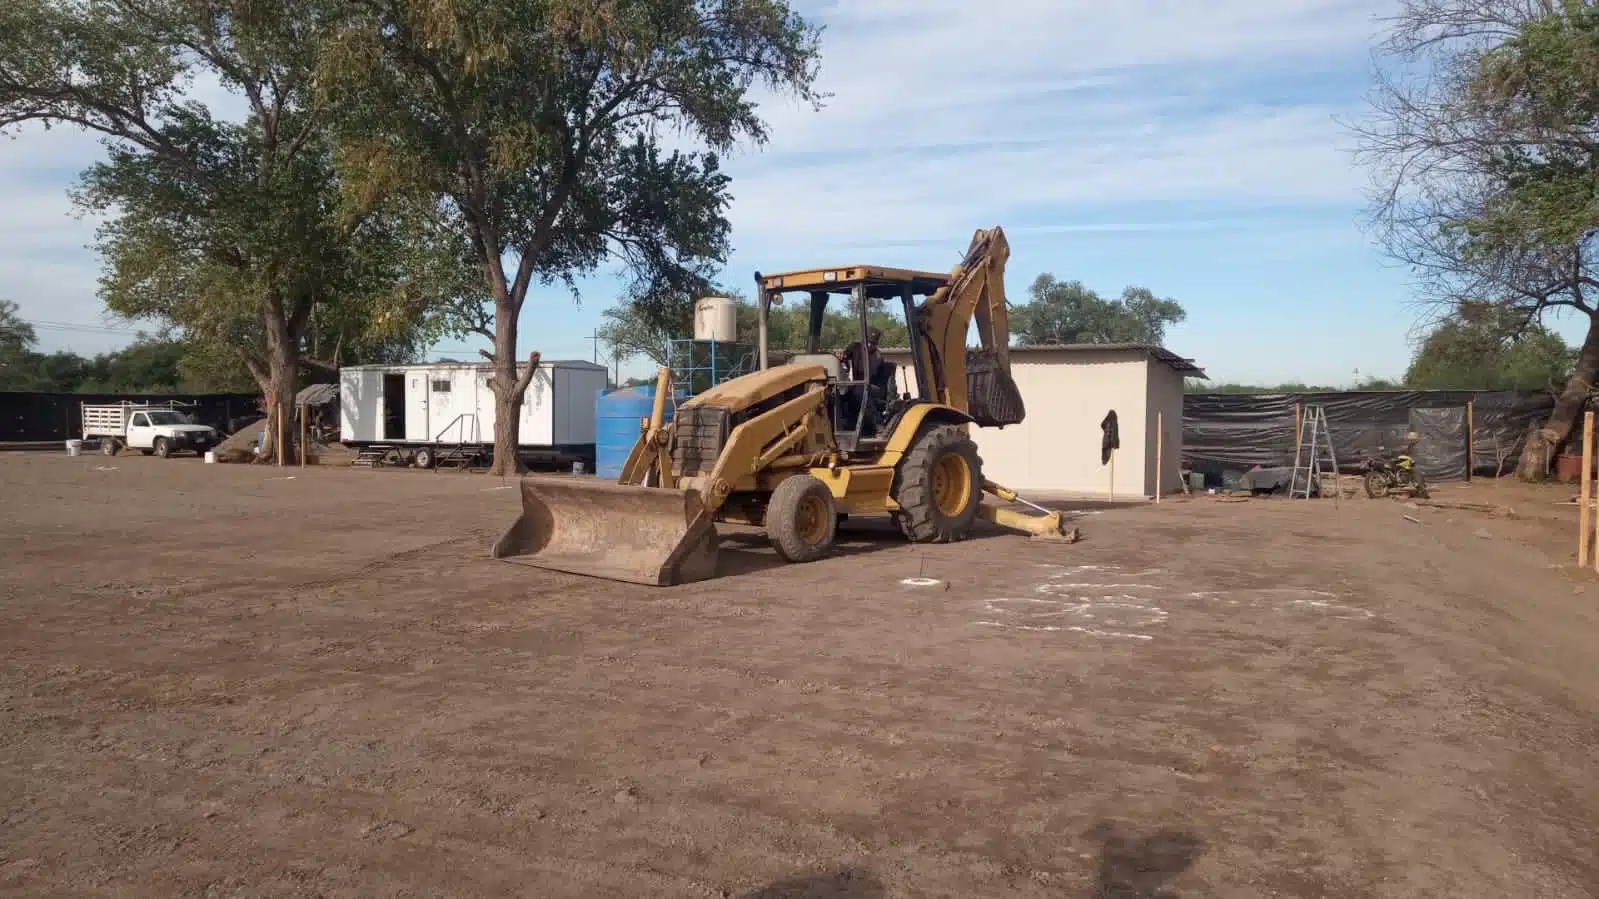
159, 429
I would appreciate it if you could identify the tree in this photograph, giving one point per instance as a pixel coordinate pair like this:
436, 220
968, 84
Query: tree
1485, 347
17, 340
16, 336
531, 130
1066, 312
1483, 147
237, 234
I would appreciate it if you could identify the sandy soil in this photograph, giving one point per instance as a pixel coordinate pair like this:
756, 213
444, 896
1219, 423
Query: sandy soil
248, 681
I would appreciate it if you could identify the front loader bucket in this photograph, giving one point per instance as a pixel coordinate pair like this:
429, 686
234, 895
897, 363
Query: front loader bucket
642, 535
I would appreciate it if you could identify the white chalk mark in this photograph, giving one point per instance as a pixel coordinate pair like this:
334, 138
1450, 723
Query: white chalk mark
289, 478
106, 468
492, 489
1335, 609
1055, 628
920, 582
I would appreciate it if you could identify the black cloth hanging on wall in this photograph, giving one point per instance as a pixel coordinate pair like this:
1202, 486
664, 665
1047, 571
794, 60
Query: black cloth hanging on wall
1112, 439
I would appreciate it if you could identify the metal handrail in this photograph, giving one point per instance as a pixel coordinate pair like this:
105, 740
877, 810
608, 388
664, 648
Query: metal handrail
461, 438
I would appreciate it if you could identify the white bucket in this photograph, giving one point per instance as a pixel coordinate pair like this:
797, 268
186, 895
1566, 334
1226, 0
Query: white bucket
210, 457
74, 447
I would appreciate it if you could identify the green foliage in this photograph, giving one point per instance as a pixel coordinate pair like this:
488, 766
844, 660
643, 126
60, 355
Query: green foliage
636, 329
16, 335
1486, 346
149, 365
788, 326
1066, 312
532, 127
233, 234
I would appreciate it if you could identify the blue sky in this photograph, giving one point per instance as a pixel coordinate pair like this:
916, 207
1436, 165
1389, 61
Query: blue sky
1192, 148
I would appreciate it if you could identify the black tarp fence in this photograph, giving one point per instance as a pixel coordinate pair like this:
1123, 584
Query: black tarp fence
29, 417
1230, 433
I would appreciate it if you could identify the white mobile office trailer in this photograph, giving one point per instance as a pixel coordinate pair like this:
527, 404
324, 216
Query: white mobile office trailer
445, 411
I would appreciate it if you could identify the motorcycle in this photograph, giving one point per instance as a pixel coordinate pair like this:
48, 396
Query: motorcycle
1385, 476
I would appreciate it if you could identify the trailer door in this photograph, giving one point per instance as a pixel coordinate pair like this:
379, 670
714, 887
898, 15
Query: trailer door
416, 406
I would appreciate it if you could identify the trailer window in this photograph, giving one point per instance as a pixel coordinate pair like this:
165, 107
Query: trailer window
441, 386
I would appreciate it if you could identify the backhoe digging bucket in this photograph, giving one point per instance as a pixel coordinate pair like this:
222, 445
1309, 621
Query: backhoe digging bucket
642, 535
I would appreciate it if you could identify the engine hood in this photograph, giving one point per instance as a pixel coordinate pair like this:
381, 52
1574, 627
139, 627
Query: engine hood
743, 392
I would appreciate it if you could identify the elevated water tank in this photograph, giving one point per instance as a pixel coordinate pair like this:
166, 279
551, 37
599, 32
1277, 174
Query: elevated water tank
716, 318
617, 414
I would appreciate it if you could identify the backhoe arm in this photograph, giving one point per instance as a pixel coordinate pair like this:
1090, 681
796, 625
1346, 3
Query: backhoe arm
976, 288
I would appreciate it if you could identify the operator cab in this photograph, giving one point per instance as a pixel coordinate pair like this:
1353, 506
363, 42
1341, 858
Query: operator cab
863, 396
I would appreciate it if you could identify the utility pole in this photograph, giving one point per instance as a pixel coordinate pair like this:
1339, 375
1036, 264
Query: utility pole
596, 338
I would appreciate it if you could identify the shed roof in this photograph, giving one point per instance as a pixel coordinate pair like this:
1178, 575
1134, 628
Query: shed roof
1179, 364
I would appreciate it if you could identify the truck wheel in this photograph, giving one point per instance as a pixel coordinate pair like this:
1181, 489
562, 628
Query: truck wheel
938, 486
423, 458
108, 446
163, 448
801, 520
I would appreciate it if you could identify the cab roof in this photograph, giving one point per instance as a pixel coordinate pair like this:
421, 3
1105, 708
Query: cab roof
881, 282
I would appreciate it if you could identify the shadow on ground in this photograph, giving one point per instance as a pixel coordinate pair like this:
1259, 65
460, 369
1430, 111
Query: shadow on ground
747, 551
1141, 867
844, 883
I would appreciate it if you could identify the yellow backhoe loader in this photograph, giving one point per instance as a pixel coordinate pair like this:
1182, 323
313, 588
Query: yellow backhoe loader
795, 446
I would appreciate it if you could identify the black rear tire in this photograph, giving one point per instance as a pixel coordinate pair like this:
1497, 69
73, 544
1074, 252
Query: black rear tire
108, 446
423, 458
939, 486
801, 519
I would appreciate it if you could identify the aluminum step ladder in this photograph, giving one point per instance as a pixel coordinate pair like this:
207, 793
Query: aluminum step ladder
1313, 455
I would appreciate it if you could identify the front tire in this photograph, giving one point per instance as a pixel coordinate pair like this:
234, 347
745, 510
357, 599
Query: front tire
939, 485
801, 519
1376, 484
163, 447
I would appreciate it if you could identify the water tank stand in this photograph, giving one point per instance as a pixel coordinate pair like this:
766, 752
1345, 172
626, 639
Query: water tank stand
699, 365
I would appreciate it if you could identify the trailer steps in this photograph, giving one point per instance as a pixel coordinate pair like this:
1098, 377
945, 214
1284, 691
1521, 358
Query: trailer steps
458, 458
377, 455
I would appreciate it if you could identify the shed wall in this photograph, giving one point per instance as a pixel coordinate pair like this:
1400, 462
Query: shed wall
1057, 448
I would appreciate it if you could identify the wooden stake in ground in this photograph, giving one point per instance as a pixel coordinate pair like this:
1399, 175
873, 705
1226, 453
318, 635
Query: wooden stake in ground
1471, 449
1160, 439
1113, 475
1587, 488
279, 417
304, 422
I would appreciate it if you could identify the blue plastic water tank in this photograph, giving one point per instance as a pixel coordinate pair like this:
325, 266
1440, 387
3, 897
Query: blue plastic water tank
617, 414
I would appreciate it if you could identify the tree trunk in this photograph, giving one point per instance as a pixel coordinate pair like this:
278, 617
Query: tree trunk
1544, 443
283, 369
507, 396
507, 418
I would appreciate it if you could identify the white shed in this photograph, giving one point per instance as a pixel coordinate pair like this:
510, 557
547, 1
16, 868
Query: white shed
444, 403
1068, 390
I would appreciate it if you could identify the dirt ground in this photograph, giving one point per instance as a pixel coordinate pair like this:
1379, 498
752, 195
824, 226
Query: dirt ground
250, 681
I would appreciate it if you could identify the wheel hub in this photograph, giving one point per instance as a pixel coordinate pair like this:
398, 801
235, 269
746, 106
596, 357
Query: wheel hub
952, 484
